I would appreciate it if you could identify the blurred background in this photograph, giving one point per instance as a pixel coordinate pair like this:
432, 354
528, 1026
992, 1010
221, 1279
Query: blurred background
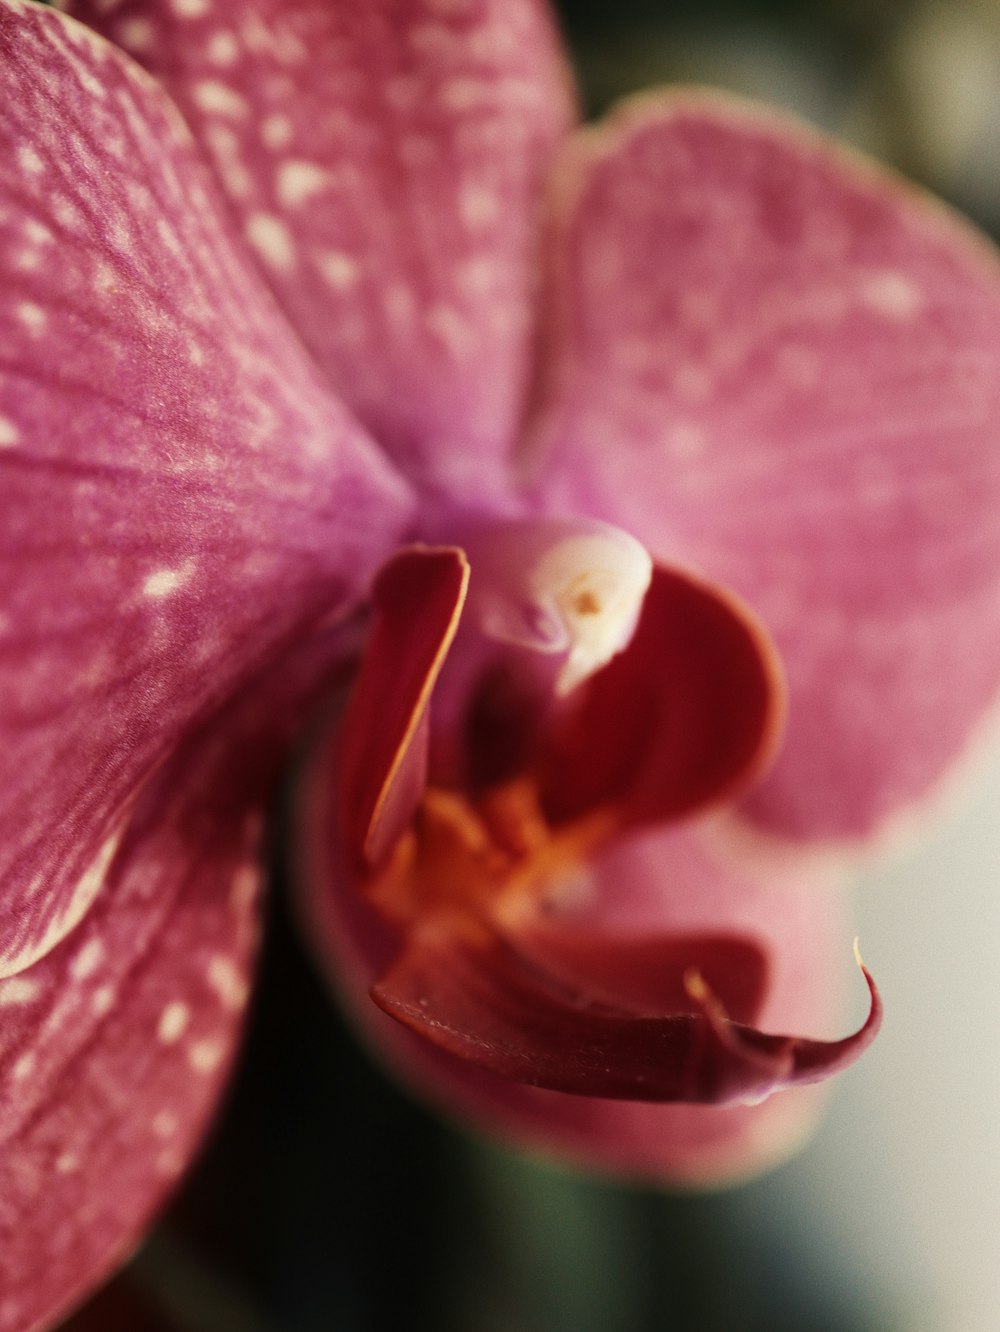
326, 1202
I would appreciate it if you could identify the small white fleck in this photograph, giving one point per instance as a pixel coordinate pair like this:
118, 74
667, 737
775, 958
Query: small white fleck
37, 232
102, 1000
191, 8
164, 581
217, 98
271, 239
18, 990
87, 960
9, 433
222, 48
173, 1021
206, 1056
892, 294
340, 270
478, 206
24, 1066
245, 889
298, 181
164, 1124
227, 981
32, 316
67, 1163
136, 34
29, 161
276, 131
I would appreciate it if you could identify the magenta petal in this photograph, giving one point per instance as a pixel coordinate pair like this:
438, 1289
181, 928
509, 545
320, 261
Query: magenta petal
114, 1047
178, 494
773, 361
385, 161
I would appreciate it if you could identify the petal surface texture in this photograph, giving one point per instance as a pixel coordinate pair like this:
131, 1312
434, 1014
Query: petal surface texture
115, 1046
385, 161
178, 492
772, 361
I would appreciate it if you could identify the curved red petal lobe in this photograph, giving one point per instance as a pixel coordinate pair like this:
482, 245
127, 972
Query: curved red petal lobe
385, 160
779, 364
178, 492
417, 599
688, 714
645, 972
476, 996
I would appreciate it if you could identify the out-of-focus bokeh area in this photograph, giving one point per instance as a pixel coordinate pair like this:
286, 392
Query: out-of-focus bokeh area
327, 1203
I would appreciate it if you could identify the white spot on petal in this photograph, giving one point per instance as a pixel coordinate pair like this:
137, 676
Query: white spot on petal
24, 1066
276, 131
32, 316
245, 887
164, 1124
206, 1056
272, 240
173, 1021
163, 582
18, 990
339, 269
478, 206
216, 98
9, 433
136, 34
87, 960
28, 160
67, 1163
298, 181
892, 294
102, 1000
227, 981
191, 9
222, 48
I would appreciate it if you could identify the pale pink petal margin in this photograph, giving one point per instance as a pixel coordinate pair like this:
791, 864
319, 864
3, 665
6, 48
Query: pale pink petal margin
177, 491
384, 161
780, 365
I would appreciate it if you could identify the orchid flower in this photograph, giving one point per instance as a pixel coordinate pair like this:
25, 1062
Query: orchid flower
519, 479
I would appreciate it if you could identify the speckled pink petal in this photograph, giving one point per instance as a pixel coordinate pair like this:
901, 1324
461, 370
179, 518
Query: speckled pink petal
178, 494
775, 362
384, 160
114, 1047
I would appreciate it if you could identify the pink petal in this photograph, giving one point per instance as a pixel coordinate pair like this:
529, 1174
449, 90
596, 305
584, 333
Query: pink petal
178, 494
115, 1046
479, 998
774, 362
384, 160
